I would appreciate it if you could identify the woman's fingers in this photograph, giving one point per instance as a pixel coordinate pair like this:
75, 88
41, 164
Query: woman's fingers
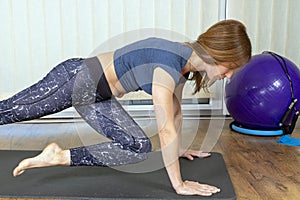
190, 154
203, 155
195, 188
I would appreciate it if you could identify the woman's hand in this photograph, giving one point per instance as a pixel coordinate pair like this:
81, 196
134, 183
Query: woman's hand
195, 188
190, 154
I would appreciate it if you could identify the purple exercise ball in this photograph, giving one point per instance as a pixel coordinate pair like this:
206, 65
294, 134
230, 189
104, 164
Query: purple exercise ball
259, 94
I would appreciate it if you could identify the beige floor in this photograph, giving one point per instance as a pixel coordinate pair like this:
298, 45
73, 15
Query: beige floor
36, 135
259, 167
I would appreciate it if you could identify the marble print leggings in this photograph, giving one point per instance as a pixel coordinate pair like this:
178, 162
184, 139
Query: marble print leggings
80, 83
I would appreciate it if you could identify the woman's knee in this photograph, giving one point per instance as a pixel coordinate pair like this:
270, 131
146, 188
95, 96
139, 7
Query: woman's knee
142, 145
146, 146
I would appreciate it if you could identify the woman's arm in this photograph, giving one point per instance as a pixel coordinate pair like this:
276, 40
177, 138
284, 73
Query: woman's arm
177, 98
183, 151
162, 91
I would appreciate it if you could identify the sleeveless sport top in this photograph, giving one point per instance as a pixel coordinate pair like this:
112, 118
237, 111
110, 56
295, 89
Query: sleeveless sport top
136, 62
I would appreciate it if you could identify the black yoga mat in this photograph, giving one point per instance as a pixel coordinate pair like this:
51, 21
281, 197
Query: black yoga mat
107, 183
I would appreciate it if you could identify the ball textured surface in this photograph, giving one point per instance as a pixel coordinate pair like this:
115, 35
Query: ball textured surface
259, 94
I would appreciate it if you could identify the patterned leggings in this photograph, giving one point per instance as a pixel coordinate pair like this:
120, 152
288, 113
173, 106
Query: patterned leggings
81, 83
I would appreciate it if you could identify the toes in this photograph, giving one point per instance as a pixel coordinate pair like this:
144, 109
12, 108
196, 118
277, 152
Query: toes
23, 165
18, 171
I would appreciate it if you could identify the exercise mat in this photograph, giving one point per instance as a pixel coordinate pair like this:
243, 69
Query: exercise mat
107, 183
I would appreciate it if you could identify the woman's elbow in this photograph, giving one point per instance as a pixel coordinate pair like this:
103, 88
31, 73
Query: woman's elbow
177, 118
167, 135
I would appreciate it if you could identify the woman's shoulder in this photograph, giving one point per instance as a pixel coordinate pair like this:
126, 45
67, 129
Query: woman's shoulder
156, 39
153, 42
159, 42
143, 44
155, 46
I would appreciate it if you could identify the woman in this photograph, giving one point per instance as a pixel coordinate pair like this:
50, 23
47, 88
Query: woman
157, 66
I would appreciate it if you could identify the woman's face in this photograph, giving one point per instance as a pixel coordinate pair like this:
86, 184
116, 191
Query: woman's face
218, 72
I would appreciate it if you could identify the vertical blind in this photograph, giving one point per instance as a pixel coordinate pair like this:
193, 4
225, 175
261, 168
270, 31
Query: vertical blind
272, 25
35, 35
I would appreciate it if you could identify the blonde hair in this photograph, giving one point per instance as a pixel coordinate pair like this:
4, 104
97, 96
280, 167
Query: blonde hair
224, 42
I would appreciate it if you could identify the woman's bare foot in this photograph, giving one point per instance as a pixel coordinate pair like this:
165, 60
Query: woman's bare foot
52, 155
